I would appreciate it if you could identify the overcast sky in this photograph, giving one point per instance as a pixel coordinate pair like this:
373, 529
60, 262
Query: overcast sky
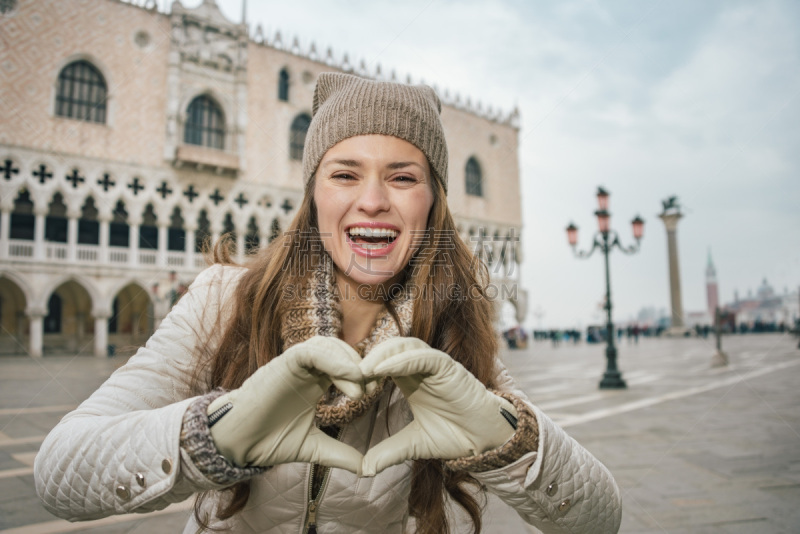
650, 99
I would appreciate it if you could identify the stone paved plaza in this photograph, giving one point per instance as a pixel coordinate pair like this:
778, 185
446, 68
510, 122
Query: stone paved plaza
695, 449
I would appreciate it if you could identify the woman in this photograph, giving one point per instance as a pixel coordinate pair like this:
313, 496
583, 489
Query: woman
331, 385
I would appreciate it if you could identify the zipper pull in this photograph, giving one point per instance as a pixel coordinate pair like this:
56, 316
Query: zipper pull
311, 519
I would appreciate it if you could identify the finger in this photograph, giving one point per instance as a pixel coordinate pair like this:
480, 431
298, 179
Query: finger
370, 386
319, 448
387, 349
414, 362
351, 389
333, 360
408, 444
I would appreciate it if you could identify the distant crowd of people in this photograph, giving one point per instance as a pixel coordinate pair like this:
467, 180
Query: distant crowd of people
517, 338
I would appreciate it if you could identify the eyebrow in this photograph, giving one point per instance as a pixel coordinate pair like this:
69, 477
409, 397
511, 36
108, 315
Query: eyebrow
355, 163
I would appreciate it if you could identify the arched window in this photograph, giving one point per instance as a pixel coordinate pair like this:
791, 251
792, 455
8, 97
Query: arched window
251, 238
55, 225
203, 231
283, 85
148, 230
118, 229
205, 124
88, 227
297, 136
81, 93
274, 230
474, 178
22, 218
228, 227
176, 235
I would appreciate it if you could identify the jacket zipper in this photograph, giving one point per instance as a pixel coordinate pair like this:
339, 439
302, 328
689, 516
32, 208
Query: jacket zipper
313, 503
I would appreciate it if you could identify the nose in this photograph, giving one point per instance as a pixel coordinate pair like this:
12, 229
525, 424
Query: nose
373, 197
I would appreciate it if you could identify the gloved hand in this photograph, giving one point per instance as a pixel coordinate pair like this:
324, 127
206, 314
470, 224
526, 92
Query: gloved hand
454, 414
270, 418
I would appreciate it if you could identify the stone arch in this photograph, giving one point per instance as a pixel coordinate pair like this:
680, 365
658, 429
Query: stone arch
131, 320
14, 326
70, 327
95, 298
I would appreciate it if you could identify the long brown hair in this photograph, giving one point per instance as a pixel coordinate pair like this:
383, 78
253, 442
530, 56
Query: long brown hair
451, 313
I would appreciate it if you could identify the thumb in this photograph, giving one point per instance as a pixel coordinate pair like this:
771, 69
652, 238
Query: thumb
408, 444
319, 448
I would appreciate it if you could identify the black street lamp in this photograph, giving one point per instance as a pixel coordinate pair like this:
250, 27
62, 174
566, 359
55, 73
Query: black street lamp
606, 239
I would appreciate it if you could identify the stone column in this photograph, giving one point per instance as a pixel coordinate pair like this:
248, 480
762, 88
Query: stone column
72, 236
133, 243
239, 246
5, 223
36, 322
671, 223
101, 333
162, 245
38, 235
189, 246
103, 223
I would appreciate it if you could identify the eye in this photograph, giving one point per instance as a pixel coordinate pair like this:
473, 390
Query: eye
345, 176
405, 178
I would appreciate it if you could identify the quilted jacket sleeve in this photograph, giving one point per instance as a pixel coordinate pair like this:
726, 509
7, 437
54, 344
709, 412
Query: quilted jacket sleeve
119, 452
560, 488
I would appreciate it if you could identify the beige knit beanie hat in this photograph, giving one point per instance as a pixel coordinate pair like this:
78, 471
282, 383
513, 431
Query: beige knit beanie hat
346, 106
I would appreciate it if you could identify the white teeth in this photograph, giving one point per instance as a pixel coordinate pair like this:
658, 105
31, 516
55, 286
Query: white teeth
372, 232
373, 246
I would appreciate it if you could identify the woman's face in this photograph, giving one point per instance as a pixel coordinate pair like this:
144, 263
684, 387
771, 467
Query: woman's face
373, 195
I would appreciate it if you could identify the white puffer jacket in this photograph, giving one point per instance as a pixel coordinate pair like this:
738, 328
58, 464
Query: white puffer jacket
119, 452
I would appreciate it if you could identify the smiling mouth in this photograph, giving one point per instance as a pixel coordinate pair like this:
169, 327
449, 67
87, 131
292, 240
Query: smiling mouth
372, 238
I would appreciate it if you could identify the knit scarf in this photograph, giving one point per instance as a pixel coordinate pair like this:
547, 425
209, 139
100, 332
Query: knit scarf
317, 312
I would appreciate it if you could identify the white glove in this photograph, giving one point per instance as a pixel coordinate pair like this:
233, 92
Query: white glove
454, 414
269, 420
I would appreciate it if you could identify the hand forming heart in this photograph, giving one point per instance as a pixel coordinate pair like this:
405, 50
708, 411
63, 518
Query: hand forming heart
454, 414
269, 420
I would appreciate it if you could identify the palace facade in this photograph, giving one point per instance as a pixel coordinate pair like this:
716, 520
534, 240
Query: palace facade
129, 135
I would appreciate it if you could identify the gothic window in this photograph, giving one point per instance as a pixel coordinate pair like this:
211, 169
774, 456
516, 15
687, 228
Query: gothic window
474, 178
205, 124
274, 230
229, 229
88, 227
176, 235
228, 226
22, 218
55, 226
52, 323
203, 232
118, 230
251, 239
81, 93
148, 231
297, 136
283, 85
